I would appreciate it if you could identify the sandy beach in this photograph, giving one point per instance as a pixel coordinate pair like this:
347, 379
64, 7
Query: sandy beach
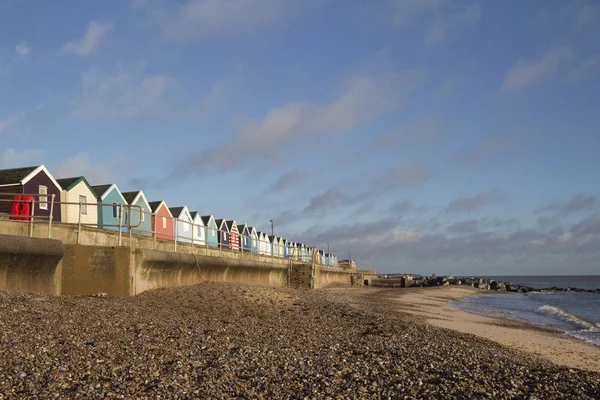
232, 341
432, 304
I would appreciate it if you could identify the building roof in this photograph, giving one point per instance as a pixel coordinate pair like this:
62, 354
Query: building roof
193, 214
176, 211
67, 183
130, 196
14, 175
100, 189
154, 205
230, 224
206, 219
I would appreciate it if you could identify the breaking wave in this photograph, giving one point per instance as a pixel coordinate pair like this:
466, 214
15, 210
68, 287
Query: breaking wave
566, 316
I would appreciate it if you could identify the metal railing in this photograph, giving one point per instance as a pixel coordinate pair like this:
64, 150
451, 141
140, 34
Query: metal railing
162, 231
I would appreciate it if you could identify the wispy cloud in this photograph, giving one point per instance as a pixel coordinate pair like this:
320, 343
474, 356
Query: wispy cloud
128, 93
442, 23
579, 202
9, 120
447, 26
95, 173
468, 204
22, 51
289, 180
91, 38
485, 149
447, 87
530, 72
363, 99
201, 19
14, 158
425, 130
588, 67
406, 174
464, 227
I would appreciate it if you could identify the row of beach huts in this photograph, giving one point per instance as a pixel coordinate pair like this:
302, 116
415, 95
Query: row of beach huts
106, 207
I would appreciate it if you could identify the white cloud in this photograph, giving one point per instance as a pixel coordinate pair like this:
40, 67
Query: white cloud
13, 158
10, 120
199, 19
405, 11
587, 68
565, 237
91, 38
362, 100
447, 26
22, 50
79, 165
527, 73
442, 24
128, 93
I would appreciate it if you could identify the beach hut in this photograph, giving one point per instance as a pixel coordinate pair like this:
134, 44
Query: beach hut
276, 246
199, 230
212, 230
162, 220
245, 239
285, 248
112, 207
223, 234
321, 257
140, 213
234, 235
264, 245
30, 181
84, 208
253, 239
183, 224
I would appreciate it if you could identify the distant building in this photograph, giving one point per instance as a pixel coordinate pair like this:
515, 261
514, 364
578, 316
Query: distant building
35, 181
183, 225
223, 233
112, 207
198, 229
140, 219
78, 191
212, 230
162, 221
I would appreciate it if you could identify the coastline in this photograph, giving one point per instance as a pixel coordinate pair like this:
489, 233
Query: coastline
556, 347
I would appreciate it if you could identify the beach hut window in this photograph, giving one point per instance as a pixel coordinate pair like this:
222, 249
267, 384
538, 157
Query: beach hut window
83, 202
43, 191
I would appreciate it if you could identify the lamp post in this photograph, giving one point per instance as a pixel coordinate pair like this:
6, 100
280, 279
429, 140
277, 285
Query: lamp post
327, 247
272, 227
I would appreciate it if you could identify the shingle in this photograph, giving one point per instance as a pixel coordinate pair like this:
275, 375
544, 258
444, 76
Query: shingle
14, 175
66, 183
100, 189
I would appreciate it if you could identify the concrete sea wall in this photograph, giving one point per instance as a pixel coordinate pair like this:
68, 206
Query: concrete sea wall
91, 261
30, 265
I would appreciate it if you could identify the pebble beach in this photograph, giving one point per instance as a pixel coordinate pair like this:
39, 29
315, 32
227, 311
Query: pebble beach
228, 341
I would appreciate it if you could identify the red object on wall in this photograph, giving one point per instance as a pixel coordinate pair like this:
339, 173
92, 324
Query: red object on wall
15, 208
26, 207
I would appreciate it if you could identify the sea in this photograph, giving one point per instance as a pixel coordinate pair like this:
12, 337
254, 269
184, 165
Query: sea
576, 314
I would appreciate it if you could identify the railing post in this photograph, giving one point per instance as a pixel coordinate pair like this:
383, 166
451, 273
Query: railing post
153, 218
79, 225
120, 222
129, 224
31, 219
51, 217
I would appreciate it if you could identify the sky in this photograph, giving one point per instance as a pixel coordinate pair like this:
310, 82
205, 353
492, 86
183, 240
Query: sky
424, 136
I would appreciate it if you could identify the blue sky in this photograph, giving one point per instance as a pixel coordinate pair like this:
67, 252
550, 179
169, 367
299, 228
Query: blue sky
417, 135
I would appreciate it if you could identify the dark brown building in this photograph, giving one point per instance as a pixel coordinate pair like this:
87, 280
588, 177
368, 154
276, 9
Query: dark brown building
34, 181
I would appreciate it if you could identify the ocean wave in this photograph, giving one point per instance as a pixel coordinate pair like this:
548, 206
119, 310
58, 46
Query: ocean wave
574, 319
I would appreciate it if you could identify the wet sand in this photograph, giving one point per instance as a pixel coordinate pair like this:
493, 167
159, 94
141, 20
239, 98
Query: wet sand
559, 348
